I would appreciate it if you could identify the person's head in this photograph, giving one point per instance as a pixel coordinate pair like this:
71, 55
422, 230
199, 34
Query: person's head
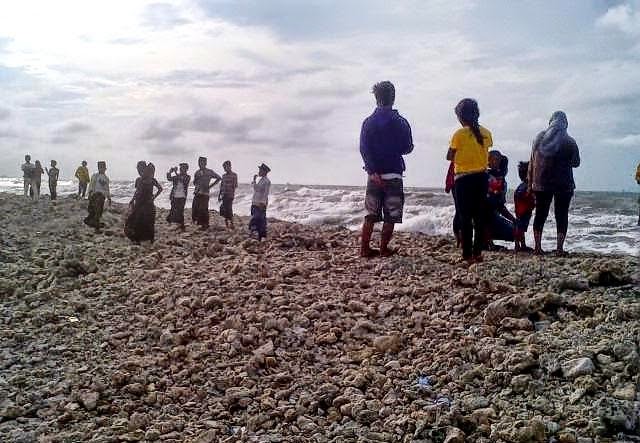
140, 167
495, 157
559, 120
149, 171
226, 166
27, 158
263, 170
183, 168
53, 163
385, 93
84, 163
523, 169
202, 162
102, 166
468, 113
38, 164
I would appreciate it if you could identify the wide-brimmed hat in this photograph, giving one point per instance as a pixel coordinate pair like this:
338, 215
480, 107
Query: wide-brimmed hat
264, 167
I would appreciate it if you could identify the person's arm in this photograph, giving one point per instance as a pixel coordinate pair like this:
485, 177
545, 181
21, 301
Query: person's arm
77, 172
502, 210
574, 161
169, 178
157, 185
216, 177
47, 171
365, 149
108, 192
407, 139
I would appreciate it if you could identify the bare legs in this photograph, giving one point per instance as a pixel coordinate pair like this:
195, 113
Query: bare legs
385, 238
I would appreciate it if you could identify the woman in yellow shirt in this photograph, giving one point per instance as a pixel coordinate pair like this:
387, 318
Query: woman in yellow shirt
469, 151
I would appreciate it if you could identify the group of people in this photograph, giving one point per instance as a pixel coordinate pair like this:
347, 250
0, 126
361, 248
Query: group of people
139, 223
32, 175
476, 178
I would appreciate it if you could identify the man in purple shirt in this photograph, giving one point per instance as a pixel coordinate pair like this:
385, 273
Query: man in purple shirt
384, 139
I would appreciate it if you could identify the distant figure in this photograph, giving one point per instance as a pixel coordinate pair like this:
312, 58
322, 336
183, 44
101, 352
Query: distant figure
142, 218
37, 180
27, 175
468, 150
499, 219
82, 174
638, 181
524, 202
202, 186
553, 157
259, 202
178, 195
98, 193
53, 174
228, 187
384, 138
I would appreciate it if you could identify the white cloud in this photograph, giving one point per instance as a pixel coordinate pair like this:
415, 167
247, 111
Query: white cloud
624, 18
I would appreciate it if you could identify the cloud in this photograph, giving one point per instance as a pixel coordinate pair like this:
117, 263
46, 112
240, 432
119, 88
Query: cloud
627, 141
70, 132
4, 114
55, 98
624, 18
162, 16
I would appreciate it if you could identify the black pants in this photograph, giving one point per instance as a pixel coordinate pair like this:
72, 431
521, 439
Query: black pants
561, 201
258, 221
82, 189
471, 207
456, 218
52, 190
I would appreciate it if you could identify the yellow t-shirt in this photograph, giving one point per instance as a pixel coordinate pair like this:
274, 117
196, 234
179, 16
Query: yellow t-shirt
469, 155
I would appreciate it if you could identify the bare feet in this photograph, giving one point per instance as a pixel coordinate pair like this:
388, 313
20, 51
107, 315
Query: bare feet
387, 252
538, 251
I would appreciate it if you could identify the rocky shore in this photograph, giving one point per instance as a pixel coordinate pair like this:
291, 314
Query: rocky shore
213, 337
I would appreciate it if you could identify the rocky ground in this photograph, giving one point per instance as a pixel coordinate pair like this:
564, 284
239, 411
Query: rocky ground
212, 337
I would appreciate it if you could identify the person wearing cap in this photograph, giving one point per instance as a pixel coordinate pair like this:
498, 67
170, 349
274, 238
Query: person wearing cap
82, 174
53, 174
202, 186
227, 193
98, 193
259, 202
178, 196
385, 137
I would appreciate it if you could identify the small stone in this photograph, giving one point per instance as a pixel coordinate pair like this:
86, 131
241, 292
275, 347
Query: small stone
306, 424
138, 421
454, 435
577, 367
387, 343
89, 400
626, 392
520, 383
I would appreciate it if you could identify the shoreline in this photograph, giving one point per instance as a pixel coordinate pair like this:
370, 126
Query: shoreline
214, 337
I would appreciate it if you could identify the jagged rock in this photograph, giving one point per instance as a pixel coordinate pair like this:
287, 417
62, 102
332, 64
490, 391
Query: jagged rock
577, 367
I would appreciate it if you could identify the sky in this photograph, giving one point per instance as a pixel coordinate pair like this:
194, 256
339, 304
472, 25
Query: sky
288, 82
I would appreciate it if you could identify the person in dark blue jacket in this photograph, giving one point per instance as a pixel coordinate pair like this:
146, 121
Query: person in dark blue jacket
384, 139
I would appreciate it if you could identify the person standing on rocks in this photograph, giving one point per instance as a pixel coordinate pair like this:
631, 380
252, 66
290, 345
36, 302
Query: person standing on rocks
469, 150
384, 138
98, 193
259, 202
202, 186
53, 174
37, 180
178, 196
228, 187
553, 156
82, 174
142, 220
27, 175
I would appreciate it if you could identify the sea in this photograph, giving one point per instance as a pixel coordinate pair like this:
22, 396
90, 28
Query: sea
604, 222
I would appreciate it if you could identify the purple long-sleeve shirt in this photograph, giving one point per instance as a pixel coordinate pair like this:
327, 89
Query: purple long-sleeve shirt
385, 137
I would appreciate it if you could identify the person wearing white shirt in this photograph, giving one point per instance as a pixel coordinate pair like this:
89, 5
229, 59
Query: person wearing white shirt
98, 193
259, 202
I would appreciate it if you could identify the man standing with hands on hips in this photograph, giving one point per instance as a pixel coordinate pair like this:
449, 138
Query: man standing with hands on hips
385, 137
